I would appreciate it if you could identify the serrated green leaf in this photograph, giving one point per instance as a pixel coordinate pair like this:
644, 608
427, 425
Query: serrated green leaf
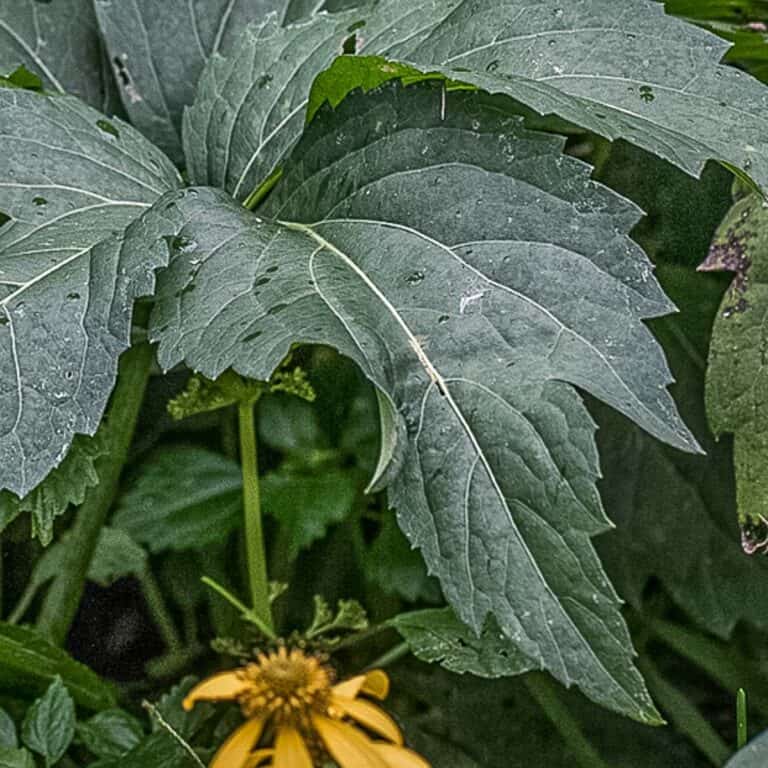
307, 505
29, 663
737, 375
458, 307
110, 734
157, 80
65, 485
59, 42
183, 498
437, 636
397, 569
8, 737
16, 758
49, 725
67, 289
117, 555
556, 59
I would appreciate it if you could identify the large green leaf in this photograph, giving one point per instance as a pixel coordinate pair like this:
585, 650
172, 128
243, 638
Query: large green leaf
159, 49
621, 69
468, 310
69, 180
57, 41
30, 663
737, 374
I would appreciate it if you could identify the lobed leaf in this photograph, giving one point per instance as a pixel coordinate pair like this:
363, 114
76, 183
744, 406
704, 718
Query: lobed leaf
469, 312
623, 70
70, 181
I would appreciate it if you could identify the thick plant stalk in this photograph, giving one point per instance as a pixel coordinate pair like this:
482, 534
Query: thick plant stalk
254, 535
63, 597
546, 694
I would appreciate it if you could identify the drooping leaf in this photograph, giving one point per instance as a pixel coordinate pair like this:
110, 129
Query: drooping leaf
58, 41
621, 69
737, 374
468, 311
49, 726
437, 636
307, 505
110, 734
183, 498
29, 663
158, 50
70, 180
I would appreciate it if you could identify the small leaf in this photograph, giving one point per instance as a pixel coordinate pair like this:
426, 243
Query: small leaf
49, 725
110, 734
183, 497
307, 505
28, 662
117, 555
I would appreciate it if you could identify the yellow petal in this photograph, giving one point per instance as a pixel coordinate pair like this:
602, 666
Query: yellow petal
374, 683
235, 751
225, 685
349, 747
290, 750
399, 757
370, 716
259, 757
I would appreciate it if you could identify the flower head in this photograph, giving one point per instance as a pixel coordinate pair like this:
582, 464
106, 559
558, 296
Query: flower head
290, 698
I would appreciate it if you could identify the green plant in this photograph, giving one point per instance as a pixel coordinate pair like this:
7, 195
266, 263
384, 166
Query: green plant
326, 308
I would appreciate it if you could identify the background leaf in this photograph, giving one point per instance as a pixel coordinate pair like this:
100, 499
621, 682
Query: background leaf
110, 734
71, 179
753, 755
59, 41
183, 497
49, 725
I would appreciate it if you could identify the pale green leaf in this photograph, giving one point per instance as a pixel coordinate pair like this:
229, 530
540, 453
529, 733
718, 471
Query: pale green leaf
620, 68
59, 41
49, 725
469, 312
183, 498
8, 737
157, 79
69, 180
16, 758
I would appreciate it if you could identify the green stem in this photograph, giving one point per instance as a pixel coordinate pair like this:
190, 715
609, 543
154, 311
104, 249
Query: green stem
254, 535
63, 597
742, 729
547, 695
684, 715
159, 612
22, 606
392, 656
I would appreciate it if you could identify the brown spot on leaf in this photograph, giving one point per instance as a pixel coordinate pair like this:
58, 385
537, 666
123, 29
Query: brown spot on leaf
730, 256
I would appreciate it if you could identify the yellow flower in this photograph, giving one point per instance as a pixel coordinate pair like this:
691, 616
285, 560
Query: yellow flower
291, 695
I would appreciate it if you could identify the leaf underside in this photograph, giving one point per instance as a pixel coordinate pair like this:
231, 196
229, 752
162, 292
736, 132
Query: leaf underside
469, 319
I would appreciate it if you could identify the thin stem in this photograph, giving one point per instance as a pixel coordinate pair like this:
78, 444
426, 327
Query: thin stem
159, 612
684, 715
742, 729
254, 200
63, 596
254, 535
392, 656
17, 614
547, 695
